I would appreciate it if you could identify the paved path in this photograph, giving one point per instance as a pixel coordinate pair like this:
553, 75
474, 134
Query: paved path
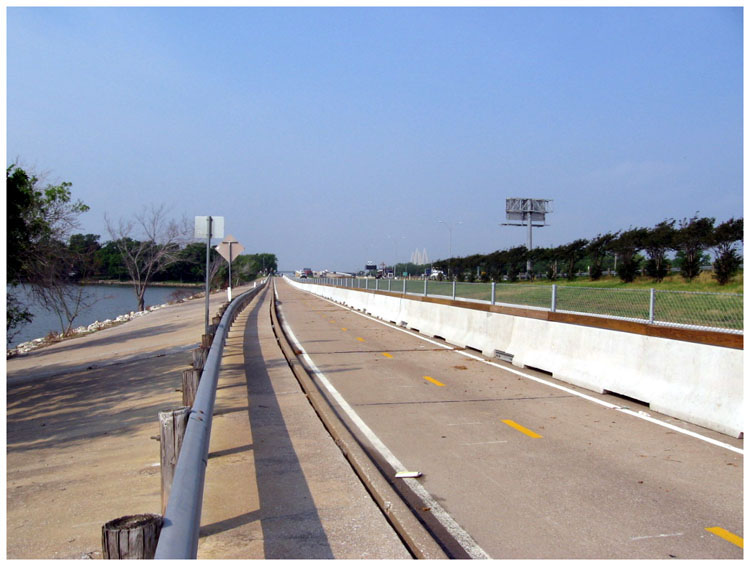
81, 415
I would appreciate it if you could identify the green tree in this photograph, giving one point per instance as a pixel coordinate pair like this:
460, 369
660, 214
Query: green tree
626, 246
691, 239
728, 260
656, 242
597, 250
571, 254
38, 219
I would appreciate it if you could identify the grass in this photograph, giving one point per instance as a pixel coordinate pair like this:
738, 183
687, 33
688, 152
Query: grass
703, 283
610, 296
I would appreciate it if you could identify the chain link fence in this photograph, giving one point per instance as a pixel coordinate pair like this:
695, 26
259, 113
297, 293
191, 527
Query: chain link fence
684, 309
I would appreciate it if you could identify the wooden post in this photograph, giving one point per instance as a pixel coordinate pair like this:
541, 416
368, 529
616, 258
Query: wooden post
190, 378
132, 536
205, 341
199, 358
172, 425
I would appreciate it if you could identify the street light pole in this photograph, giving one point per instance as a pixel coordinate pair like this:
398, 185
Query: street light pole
450, 245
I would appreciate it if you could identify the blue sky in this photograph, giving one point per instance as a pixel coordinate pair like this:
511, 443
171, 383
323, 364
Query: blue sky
334, 136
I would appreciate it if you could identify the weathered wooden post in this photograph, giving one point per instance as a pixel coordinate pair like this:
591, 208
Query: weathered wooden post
172, 425
130, 537
190, 379
199, 358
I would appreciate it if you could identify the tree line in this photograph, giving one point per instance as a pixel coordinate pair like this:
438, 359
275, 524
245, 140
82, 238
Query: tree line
46, 254
629, 253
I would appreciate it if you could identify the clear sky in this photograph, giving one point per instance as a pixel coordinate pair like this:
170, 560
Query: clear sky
335, 136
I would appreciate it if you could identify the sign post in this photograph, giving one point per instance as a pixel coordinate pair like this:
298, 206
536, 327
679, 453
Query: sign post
229, 249
205, 227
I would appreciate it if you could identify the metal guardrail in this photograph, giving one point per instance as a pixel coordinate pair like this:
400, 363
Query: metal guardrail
721, 312
181, 527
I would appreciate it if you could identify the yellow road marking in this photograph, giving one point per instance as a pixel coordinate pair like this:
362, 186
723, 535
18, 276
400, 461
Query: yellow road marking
344, 329
522, 429
726, 535
387, 355
435, 381
360, 339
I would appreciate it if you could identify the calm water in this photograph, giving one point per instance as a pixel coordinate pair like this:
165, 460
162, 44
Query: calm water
109, 301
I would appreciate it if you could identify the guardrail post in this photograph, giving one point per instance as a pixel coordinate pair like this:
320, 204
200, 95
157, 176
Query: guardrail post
493, 293
199, 357
131, 537
554, 298
190, 380
172, 424
651, 301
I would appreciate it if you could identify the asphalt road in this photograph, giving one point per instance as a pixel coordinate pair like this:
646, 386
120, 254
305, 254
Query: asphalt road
515, 464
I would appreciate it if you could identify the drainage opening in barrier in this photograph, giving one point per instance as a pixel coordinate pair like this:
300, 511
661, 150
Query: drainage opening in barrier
627, 398
473, 349
437, 337
540, 370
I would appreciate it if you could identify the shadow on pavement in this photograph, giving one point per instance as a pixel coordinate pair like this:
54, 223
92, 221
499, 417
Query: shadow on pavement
289, 519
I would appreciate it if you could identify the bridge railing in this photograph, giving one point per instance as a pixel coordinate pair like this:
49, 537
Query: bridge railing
681, 309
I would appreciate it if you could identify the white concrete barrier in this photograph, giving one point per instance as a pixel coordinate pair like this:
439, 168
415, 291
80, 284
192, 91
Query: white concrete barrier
698, 383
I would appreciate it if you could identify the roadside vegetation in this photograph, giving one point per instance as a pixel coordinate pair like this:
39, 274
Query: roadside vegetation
46, 253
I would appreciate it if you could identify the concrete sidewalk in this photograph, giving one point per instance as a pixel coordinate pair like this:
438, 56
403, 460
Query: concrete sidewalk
82, 414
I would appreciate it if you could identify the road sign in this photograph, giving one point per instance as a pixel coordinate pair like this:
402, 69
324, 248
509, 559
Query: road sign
201, 226
230, 248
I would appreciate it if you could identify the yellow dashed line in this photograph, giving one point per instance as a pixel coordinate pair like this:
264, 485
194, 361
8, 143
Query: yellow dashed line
387, 355
726, 535
360, 339
522, 429
344, 329
435, 381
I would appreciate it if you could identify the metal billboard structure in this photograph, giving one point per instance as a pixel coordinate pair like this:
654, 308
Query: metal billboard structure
529, 212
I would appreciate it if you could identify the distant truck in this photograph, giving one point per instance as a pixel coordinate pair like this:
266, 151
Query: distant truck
306, 272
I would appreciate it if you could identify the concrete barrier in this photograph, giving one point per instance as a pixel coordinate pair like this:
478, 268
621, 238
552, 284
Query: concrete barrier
698, 383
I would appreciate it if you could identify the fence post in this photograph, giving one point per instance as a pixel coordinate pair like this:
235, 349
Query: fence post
425, 286
404, 291
389, 285
554, 297
493, 292
454, 289
651, 306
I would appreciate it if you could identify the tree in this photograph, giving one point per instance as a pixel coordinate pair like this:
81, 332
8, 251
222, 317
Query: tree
597, 250
159, 248
626, 246
693, 236
37, 221
656, 242
84, 249
728, 260
56, 285
572, 253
